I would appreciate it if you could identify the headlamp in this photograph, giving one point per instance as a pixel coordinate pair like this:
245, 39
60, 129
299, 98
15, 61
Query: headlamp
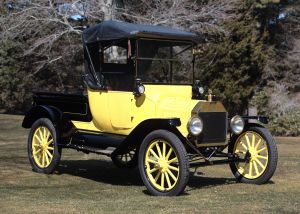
195, 125
237, 124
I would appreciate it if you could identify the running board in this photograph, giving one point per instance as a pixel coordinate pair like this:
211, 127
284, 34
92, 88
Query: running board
217, 162
88, 149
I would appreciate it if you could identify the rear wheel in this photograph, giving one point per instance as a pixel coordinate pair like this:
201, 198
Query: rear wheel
43, 152
163, 164
257, 148
125, 160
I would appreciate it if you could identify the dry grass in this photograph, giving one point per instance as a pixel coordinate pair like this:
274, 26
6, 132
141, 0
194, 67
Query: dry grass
92, 184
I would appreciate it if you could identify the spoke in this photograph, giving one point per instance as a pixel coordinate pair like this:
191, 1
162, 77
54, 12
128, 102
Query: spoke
158, 150
154, 154
126, 158
168, 180
43, 159
162, 181
50, 148
260, 163
37, 137
37, 151
262, 157
173, 168
130, 155
253, 140
238, 151
50, 155
250, 169
153, 170
169, 153
47, 136
164, 150
49, 142
255, 167
171, 174
172, 160
151, 161
47, 159
245, 147
263, 149
256, 146
41, 134
44, 133
157, 176
242, 169
38, 156
35, 144
248, 141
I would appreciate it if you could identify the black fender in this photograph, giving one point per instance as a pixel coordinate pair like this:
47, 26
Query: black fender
39, 111
135, 138
233, 137
255, 119
250, 121
248, 125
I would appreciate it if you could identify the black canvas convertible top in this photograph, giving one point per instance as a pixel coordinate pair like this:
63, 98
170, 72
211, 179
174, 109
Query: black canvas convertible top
116, 30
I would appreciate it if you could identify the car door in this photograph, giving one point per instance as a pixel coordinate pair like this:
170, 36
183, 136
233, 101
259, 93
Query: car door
112, 111
120, 105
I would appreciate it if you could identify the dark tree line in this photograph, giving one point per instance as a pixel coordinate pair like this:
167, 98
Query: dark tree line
250, 49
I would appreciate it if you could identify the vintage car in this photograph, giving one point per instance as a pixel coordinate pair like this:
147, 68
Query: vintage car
143, 106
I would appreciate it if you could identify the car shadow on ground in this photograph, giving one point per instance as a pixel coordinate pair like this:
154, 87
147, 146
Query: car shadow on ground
100, 171
107, 172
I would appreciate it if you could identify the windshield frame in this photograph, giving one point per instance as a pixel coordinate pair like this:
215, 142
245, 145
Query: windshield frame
190, 47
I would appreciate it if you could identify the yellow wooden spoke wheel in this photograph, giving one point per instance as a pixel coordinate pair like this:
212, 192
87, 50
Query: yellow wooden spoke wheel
43, 151
257, 153
163, 163
42, 146
251, 144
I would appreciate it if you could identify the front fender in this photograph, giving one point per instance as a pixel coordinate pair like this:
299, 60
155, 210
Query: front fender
137, 135
40, 111
255, 119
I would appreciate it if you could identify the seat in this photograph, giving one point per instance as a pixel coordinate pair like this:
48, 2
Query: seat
118, 77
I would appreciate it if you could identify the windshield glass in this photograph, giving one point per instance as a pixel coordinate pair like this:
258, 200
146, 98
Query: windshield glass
165, 61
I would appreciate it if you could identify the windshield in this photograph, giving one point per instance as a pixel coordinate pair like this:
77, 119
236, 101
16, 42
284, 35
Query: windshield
165, 61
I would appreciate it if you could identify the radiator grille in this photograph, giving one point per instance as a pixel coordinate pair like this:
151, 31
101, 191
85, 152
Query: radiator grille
214, 127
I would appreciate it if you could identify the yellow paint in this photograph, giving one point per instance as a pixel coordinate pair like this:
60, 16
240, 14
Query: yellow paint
42, 146
120, 105
120, 112
90, 126
258, 150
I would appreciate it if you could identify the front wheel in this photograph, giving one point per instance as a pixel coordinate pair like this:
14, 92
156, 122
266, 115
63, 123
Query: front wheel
258, 152
163, 163
43, 151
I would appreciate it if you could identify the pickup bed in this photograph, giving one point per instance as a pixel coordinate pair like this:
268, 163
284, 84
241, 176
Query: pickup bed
74, 106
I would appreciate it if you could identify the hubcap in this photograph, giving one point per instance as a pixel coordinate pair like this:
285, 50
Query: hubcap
161, 164
42, 147
253, 145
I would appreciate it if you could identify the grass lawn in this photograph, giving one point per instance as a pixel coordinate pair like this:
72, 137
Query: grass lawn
92, 184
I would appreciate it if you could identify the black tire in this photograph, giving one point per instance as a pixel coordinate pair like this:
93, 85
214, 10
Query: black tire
173, 144
125, 160
55, 152
266, 172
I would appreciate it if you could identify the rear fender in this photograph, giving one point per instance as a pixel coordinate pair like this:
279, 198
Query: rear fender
42, 111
